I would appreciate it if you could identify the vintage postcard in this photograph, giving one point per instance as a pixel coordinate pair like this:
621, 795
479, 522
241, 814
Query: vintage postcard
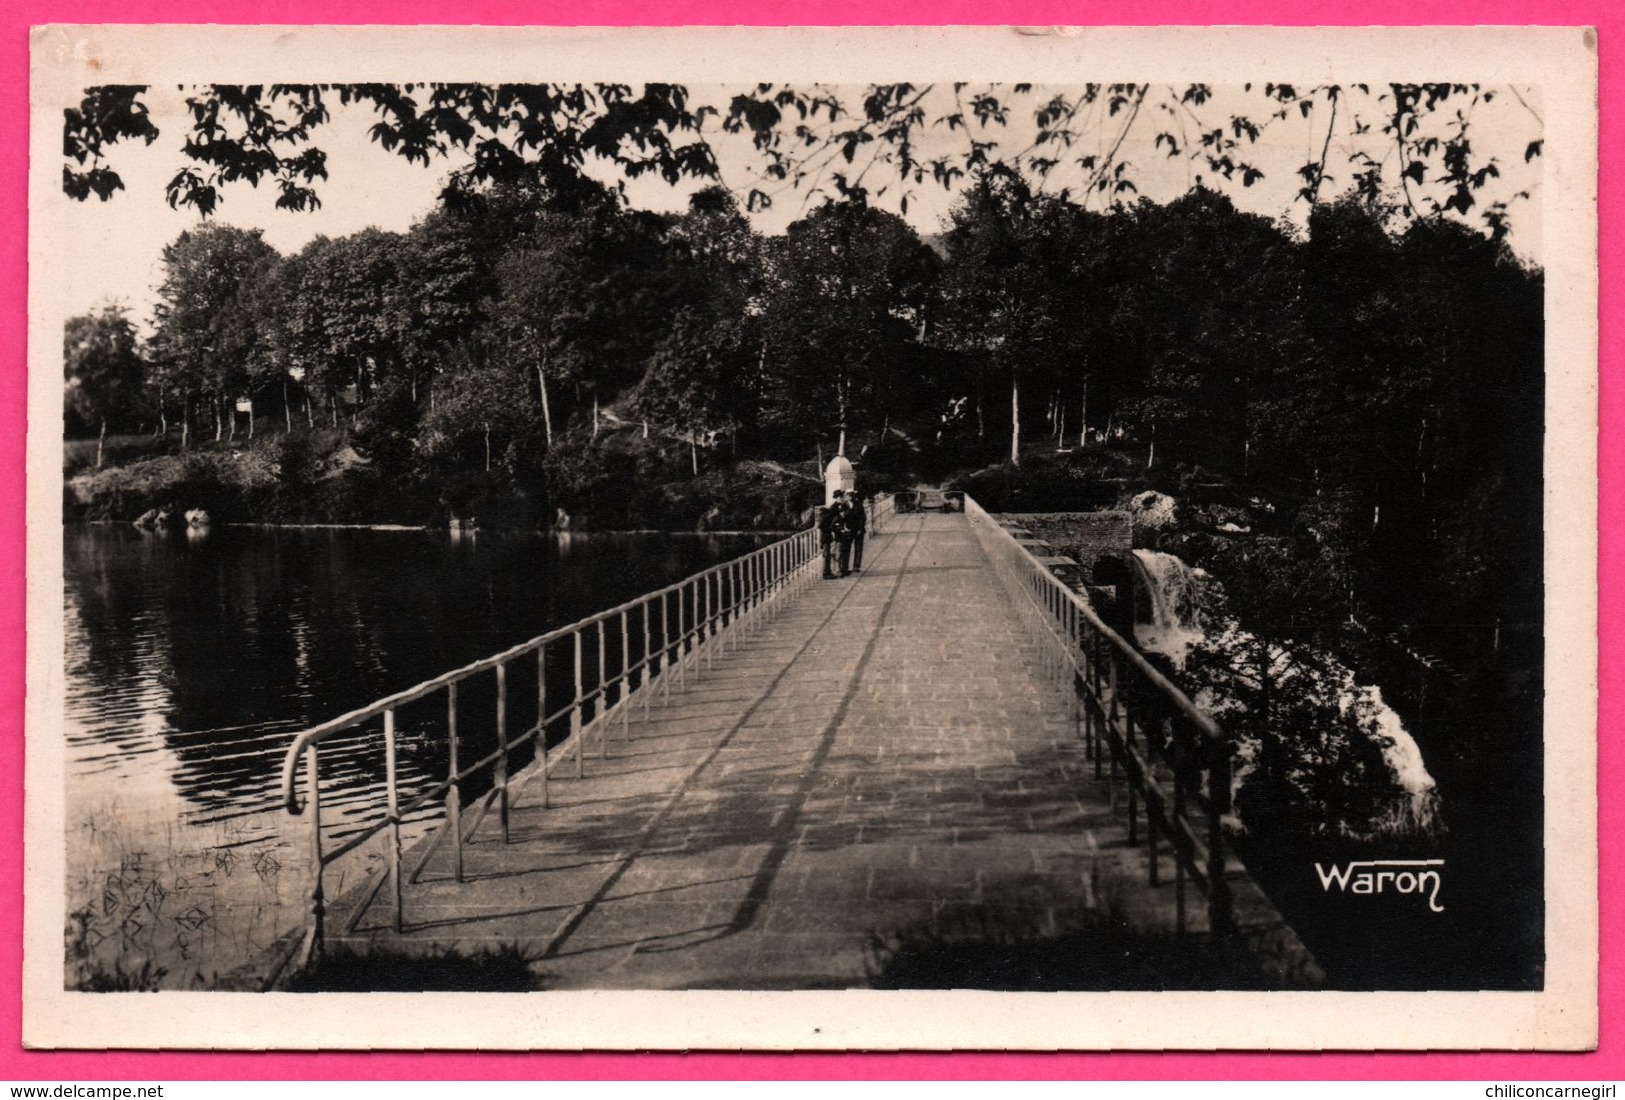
981, 538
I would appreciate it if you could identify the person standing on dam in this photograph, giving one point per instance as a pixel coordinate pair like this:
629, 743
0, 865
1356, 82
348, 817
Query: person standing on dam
857, 525
829, 522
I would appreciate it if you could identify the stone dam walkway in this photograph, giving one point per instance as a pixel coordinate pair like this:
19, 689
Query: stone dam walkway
878, 786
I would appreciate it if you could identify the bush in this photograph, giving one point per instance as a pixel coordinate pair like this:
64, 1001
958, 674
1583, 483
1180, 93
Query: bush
386, 428
1050, 483
226, 484
504, 969
79, 455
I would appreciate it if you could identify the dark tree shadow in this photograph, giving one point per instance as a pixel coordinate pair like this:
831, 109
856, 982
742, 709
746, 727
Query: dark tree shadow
504, 969
1092, 951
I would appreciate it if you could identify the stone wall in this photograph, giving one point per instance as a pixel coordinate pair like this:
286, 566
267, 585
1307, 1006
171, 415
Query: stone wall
1088, 537
1102, 545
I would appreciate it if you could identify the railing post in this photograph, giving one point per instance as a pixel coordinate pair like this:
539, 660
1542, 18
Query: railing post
600, 707
1176, 761
682, 636
708, 631
541, 719
318, 901
1113, 736
394, 804
626, 678
738, 599
454, 788
1221, 921
1098, 642
1129, 776
575, 707
502, 749
665, 647
648, 659
721, 611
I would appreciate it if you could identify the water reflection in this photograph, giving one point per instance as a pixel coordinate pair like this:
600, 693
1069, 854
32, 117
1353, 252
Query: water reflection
214, 648
193, 658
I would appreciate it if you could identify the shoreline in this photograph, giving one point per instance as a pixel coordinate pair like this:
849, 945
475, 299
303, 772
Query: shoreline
403, 527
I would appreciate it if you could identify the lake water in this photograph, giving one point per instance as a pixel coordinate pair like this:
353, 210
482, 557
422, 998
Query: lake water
194, 657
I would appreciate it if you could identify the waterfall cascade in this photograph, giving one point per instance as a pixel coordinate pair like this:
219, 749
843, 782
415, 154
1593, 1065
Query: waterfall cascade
1169, 619
1399, 749
1173, 622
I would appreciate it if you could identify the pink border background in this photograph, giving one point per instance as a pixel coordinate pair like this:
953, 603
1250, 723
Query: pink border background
21, 1065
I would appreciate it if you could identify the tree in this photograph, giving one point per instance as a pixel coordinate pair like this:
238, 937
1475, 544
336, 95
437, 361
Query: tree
205, 332
444, 279
105, 374
1005, 290
250, 133
349, 317
1408, 146
476, 398
703, 376
695, 376
582, 298
847, 292
1202, 306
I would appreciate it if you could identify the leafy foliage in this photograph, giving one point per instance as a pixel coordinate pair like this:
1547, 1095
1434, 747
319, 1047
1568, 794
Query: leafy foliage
848, 289
108, 114
205, 334
105, 374
1408, 146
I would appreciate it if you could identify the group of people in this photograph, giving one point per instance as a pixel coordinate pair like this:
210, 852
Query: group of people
841, 530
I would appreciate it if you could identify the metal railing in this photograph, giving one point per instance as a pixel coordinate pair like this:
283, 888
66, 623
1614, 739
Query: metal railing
657, 640
660, 640
929, 500
1177, 761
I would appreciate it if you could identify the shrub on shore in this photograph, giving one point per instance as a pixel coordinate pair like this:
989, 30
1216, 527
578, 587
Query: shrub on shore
220, 482
503, 969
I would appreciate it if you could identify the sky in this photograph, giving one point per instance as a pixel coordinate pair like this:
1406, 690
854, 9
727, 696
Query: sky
369, 186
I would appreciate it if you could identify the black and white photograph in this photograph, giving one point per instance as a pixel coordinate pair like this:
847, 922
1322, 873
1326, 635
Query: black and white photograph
812, 538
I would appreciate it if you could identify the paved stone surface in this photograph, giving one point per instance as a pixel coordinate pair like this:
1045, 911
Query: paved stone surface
880, 776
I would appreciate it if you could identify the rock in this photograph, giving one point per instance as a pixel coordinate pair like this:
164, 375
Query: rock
148, 520
1222, 517
561, 520
1151, 511
197, 517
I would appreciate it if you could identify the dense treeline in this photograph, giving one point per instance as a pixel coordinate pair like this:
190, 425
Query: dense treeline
540, 339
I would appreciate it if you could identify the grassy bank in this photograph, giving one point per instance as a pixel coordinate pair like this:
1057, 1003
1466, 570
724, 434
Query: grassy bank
318, 477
